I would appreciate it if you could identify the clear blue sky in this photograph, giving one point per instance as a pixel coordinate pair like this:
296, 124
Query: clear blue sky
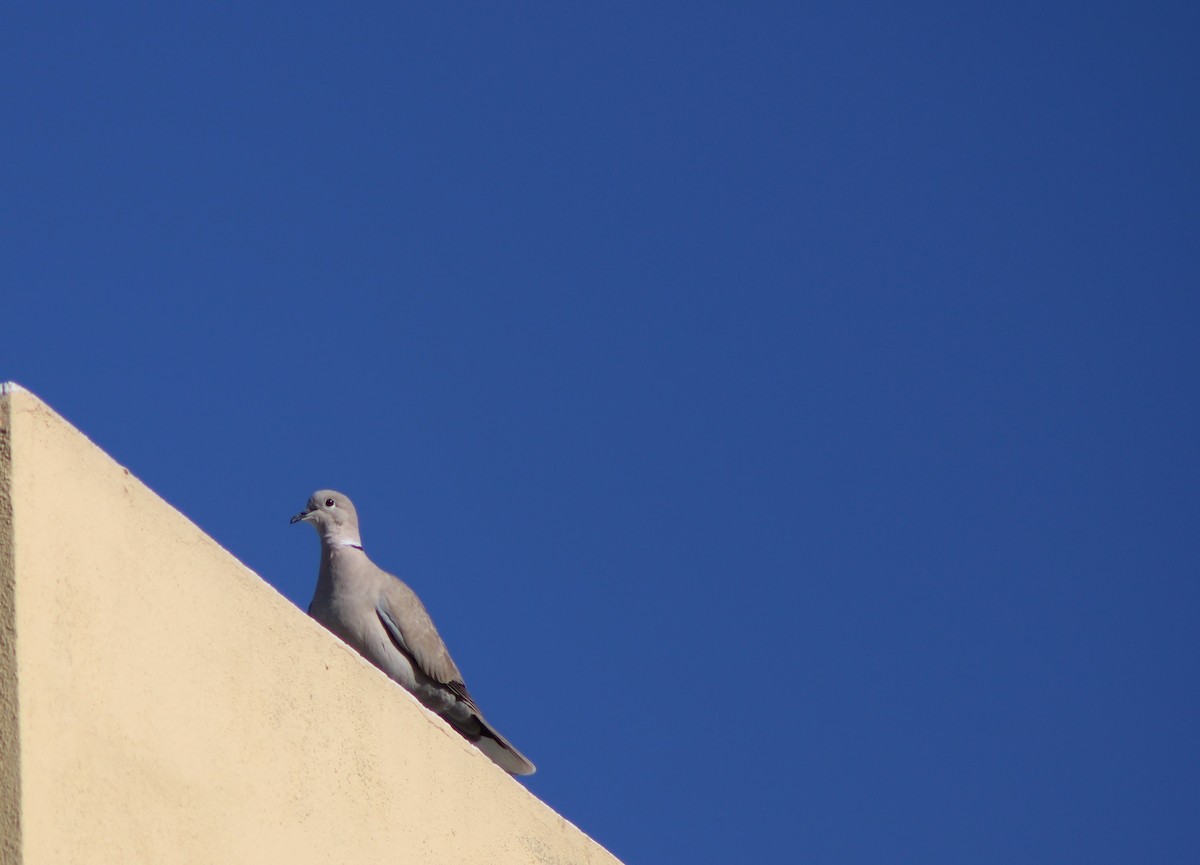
788, 411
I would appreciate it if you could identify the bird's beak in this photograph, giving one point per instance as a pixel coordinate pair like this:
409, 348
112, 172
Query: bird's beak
300, 517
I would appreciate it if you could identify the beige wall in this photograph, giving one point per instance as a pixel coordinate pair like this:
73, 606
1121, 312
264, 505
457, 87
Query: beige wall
160, 703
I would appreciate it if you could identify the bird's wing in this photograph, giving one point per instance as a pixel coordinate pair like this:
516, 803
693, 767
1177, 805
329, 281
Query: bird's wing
406, 621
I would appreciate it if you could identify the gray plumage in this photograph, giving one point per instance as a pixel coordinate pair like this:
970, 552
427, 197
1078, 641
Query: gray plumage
382, 619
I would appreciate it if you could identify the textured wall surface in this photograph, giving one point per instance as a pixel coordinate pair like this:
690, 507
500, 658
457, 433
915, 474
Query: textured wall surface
10, 764
161, 703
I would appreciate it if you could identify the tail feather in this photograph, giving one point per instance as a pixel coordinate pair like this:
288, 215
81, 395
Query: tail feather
501, 752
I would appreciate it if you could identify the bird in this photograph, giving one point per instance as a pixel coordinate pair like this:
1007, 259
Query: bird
376, 614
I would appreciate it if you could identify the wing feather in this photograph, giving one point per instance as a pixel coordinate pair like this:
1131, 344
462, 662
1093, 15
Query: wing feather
410, 627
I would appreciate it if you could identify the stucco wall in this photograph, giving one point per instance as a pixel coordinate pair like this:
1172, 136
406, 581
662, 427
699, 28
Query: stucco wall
161, 703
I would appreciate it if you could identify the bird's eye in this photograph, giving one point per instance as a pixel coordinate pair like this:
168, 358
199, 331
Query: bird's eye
328, 503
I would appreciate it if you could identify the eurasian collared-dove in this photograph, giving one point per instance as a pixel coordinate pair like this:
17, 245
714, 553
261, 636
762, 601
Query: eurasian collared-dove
380, 617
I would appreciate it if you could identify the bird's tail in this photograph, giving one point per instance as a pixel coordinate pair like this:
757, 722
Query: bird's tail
499, 749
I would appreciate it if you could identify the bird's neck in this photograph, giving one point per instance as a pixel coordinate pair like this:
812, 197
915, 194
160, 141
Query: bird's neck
329, 552
341, 538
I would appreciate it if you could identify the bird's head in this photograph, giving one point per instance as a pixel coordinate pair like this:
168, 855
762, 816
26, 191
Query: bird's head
333, 516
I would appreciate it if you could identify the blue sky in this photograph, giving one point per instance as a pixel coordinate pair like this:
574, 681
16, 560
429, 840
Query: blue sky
788, 412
